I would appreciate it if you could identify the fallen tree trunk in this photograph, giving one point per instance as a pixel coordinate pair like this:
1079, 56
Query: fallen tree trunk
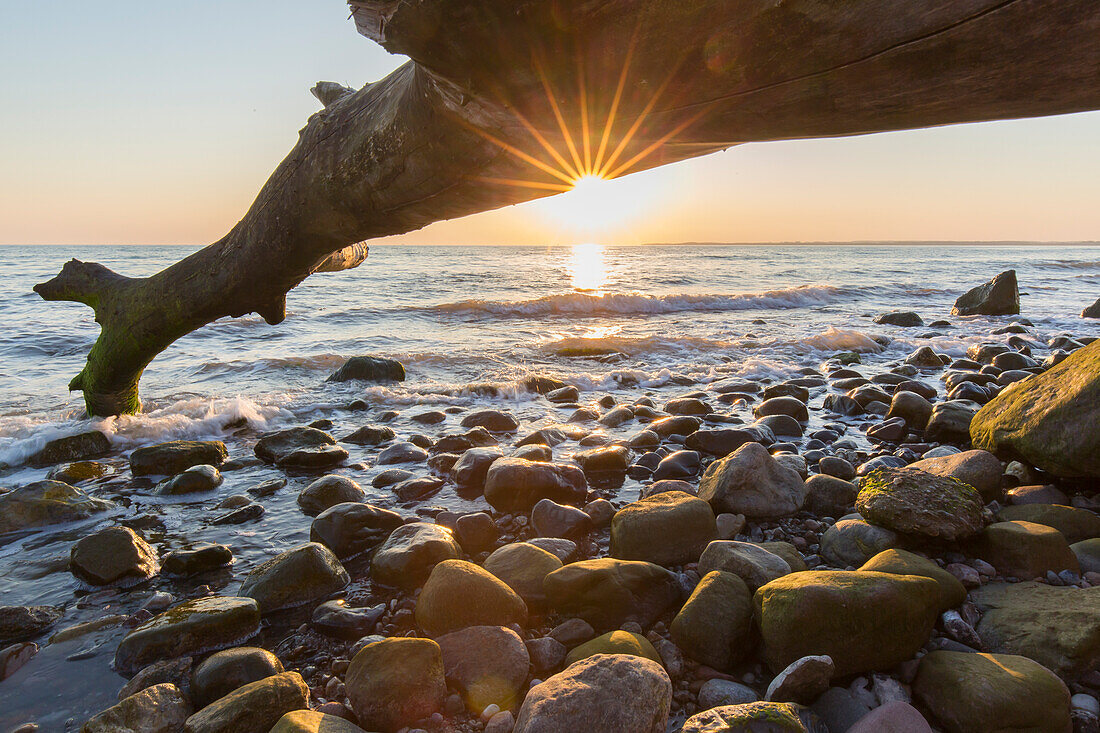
509, 100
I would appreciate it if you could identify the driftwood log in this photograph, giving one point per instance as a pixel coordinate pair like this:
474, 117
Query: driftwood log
509, 100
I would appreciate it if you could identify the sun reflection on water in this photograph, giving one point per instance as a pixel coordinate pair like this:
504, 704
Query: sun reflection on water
587, 268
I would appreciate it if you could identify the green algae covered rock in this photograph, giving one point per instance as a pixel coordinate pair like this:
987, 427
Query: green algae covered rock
614, 642
305, 573
715, 625
756, 717
395, 682
1074, 524
1049, 421
46, 502
252, 708
670, 528
916, 502
460, 594
902, 562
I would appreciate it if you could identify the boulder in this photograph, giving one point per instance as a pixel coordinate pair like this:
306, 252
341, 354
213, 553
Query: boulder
156, 709
614, 642
22, 623
915, 502
252, 708
523, 567
516, 484
314, 721
488, 665
1074, 524
306, 573
470, 469
113, 555
1058, 627
395, 682
223, 672
714, 627
407, 556
669, 528
551, 519
46, 502
607, 592
752, 563
830, 496
998, 297
202, 477
369, 369
328, 491
756, 717
1087, 552
1024, 549
370, 435
610, 693
90, 444
863, 620
989, 693
899, 318
1050, 422
787, 551
1092, 311
494, 421
950, 422
167, 459
353, 528
901, 562
192, 627
199, 559
912, 408
304, 448
978, 468
750, 481
852, 541
803, 681
460, 594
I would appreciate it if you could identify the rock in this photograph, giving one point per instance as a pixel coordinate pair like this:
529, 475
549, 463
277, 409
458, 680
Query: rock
600, 511
717, 692
21, 623
197, 560
459, 594
46, 502
862, 620
253, 708
199, 625
314, 721
306, 573
614, 642
564, 550
714, 627
551, 519
852, 541
899, 318
403, 452
664, 485
113, 555
610, 693
572, 632
983, 693
670, 528
915, 502
606, 459
1057, 627
802, 681
901, 562
246, 513
336, 618
156, 709
837, 468
719, 442
752, 563
407, 556
203, 477
416, 489
305, 448
1074, 524
1048, 494
893, 717
830, 496
607, 593
682, 464
488, 665
476, 532
998, 297
13, 657
176, 456
352, 528
677, 425
766, 717
840, 710
328, 491
912, 408
396, 682
546, 653
515, 484
925, 357
471, 468
978, 468
729, 525
783, 406
782, 425
1086, 551
74, 473
370, 435
890, 431
749, 481
1024, 549
950, 422
91, 444
494, 421
223, 672
787, 551
369, 369
523, 567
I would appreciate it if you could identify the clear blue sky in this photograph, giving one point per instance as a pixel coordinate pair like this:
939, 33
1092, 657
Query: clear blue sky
155, 122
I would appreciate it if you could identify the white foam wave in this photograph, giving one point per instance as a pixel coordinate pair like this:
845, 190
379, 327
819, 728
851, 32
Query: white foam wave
840, 339
631, 346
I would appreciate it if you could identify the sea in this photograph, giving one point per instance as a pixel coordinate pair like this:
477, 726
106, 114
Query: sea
471, 324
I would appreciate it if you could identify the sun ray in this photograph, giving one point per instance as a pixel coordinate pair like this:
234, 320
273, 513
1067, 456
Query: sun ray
636, 125
520, 183
520, 154
558, 157
614, 110
645, 153
586, 136
577, 164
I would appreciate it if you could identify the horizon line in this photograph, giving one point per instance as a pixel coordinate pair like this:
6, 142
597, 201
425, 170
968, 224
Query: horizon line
846, 242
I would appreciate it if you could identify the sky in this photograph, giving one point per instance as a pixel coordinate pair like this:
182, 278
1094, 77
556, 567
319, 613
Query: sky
149, 122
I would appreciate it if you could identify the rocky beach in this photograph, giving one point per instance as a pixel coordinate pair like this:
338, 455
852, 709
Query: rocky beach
885, 521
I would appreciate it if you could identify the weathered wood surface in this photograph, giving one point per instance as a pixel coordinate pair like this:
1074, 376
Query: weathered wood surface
493, 107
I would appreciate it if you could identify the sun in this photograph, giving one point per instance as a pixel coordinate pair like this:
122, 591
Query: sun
596, 206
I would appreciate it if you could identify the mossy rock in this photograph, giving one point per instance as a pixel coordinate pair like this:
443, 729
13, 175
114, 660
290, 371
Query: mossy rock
47, 502
916, 502
91, 444
1024, 550
1074, 524
298, 576
395, 682
756, 717
788, 552
614, 642
313, 721
902, 562
523, 568
715, 627
176, 456
252, 708
608, 592
670, 528
459, 594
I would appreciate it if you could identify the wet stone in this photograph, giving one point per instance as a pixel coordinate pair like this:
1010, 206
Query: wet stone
197, 560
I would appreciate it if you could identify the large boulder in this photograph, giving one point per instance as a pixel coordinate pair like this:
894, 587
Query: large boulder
314, 721
1024, 550
156, 709
829, 496
714, 627
607, 593
998, 297
22, 623
851, 541
488, 665
670, 528
991, 693
328, 491
305, 448
91, 444
1050, 421
167, 459
523, 567
610, 693
516, 484
1074, 524
395, 682
369, 369
1092, 311
471, 468
950, 421
915, 502
756, 717
752, 563
863, 620
460, 594
353, 528
223, 672
901, 562
46, 502
252, 708
408, 555
113, 555
192, 627
750, 481
614, 642
1057, 627
306, 573
978, 468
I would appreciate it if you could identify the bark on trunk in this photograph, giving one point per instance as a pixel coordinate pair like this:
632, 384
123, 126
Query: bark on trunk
509, 100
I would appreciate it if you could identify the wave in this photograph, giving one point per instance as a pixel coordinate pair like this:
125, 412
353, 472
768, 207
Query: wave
638, 304
1070, 265
632, 346
840, 339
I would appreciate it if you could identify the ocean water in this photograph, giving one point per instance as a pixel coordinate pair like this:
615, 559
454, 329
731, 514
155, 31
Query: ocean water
471, 324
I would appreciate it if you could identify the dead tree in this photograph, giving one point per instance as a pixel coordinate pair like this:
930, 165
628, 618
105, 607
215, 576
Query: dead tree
509, 100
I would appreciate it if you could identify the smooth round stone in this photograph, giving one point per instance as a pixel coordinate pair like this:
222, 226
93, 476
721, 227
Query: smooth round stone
353, 528
459, 594
718, 692
223, 672
166, 459
306, 448
329, 491
523, 567
404, 452
488, 665
197, 560
551, 519
194, 479
298, 576
679, 465
408, 555
336, 618
395, 682
854, 542
113, 555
